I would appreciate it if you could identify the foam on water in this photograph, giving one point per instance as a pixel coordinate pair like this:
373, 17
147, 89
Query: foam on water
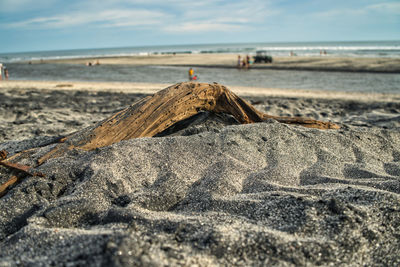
344, 49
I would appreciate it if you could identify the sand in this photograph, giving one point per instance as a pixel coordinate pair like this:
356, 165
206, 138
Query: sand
34, 108
209, 192
319, 63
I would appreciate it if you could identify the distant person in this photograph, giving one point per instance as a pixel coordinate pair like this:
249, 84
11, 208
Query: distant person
1, 71
243, 63
5, 73
191, 74
97, 62
239, 62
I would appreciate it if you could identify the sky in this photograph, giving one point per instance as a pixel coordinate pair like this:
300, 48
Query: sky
40, 25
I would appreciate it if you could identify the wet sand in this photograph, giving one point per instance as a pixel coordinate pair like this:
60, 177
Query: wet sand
150, 88
211, 192
318, 63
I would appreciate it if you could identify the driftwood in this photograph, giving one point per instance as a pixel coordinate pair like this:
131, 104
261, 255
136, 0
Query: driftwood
155, 113
10, 182
22, 170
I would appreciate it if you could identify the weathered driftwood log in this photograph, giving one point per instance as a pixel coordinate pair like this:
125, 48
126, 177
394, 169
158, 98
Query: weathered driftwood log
156, 113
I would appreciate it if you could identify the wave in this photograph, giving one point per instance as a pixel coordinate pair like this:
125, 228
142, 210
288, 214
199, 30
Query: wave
356, 49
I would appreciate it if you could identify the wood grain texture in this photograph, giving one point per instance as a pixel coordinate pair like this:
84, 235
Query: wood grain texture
155, 113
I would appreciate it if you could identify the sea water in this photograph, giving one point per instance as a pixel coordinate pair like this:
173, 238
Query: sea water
341, 81
336, 49
318, 80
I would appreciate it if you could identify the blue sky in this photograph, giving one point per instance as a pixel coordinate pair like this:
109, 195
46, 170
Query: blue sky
34, 25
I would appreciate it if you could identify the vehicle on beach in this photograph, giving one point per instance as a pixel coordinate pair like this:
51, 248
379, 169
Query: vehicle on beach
262, 57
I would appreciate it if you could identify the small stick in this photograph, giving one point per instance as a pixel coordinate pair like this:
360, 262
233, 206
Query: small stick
22, 168
26, 170
10, 182
3, 154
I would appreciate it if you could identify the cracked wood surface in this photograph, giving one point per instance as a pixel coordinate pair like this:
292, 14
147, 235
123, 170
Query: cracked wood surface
155, 113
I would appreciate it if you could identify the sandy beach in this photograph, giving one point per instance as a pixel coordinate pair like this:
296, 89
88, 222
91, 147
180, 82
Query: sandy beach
219, 60
208, 193
31, 108
199, 134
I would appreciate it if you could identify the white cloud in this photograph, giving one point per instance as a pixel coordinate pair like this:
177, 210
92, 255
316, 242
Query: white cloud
196, 27
337, 14
22, 5
243, 11
388, 7
220, 16
123, 18
170, 16
108, 18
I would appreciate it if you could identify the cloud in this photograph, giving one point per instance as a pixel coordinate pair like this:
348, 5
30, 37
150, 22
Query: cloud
196, 27
383, 9
8, 6
108, 18
388, 7
220, 16
176, 16
124, 18
239, 11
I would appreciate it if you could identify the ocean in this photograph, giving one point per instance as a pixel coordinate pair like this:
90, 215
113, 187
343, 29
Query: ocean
341, 49
318, 80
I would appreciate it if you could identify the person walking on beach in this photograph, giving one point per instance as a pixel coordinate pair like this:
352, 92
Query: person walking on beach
191, 74
1, 71
247, 61
239, 62
5, 73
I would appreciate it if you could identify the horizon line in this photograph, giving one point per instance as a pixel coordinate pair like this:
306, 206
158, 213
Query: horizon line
192, 44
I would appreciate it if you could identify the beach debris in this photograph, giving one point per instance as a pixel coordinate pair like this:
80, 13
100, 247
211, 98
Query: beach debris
61, 85
10, 182
154, 114
150, 116
23, 170
3, 154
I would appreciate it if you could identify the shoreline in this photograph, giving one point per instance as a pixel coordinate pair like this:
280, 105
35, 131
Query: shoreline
215, 60
151, 88
296, 68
